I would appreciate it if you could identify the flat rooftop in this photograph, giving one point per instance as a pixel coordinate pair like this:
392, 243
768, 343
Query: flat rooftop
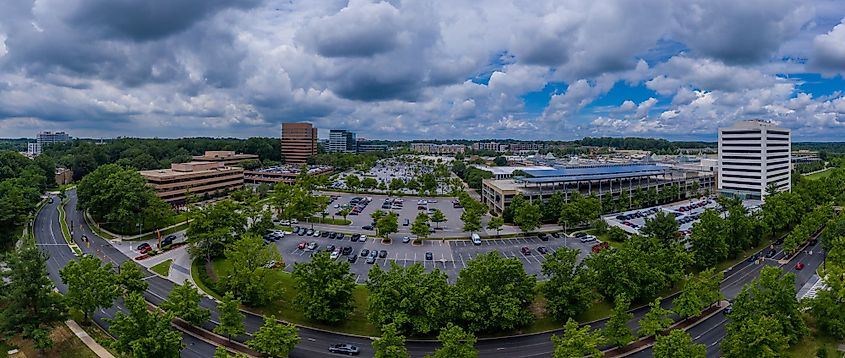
510, 169
603, 172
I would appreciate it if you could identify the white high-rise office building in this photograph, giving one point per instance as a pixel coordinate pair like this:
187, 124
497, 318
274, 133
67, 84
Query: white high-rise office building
754, 155
341, 140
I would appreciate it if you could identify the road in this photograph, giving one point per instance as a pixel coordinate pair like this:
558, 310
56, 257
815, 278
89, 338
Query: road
315, 342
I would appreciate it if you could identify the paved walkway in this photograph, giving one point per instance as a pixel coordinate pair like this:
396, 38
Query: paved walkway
90, 342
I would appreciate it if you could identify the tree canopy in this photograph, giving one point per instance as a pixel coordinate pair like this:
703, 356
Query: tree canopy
324, 288
408, 297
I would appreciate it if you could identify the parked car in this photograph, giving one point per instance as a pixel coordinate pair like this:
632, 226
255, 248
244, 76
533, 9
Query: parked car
525, 250
324, 234
362, 238
542, 250
799, 266
371, 260
344, 348
367, 227
406, 222
346, 250
771, 253
599, 247
352, 259
355, 237
312, 246
544, 237
429, 256
476, 239
365, 252
301, 245
382, 254
309, 232
406, 239
143, 246
340, 236
168, 240
335, 254
587, 238
316, 233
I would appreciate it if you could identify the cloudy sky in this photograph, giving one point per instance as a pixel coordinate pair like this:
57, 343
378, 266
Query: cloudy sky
421, 69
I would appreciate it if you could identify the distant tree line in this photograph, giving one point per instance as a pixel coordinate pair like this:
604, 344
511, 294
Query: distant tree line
634, 143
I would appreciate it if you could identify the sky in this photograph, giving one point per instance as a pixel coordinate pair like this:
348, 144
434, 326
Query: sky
422, 69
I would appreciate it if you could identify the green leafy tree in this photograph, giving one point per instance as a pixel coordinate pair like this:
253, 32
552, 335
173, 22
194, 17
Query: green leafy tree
568, 291
656, 320
528, 216
369, 183
456, 343
577, 342
420, 225
275, 339
709, 244
391, 344
230, 317
90, 284
29, 303
678, 344
183, 301
213, 227
408, 297
324, 288
754, 337
471, 219
492, 293
663, 227
396, 184
131, 278
616, 330
496, 223
388, 224
438, 217
142, 333
699, 293
352, 182
249, 277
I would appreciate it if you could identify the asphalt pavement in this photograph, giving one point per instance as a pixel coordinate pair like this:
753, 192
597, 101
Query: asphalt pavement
315, 342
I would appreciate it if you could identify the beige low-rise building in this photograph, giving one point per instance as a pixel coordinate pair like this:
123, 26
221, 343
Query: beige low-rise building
227, 157
205, 180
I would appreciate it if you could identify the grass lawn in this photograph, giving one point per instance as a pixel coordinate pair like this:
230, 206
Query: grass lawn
162, 268
329, 221
819, 175
65, 345
809, 345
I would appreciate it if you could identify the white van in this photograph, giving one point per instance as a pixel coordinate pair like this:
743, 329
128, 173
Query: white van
476, 239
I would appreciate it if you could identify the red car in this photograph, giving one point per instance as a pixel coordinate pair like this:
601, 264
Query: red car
799, 266
301, 245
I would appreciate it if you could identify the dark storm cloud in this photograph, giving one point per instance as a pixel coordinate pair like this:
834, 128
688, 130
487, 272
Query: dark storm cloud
145, 20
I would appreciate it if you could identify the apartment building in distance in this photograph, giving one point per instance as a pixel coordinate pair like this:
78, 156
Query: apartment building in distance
43, 139
754, 155
493, 146
299, 142
203, 179
525, 147
227, 157
431, 148
342, 141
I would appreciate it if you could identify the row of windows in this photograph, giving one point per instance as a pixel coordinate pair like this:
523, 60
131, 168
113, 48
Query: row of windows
726, 139
778, 132
193, 178
194, 185
777, 156
778, 151
780, 162
755, 177
741, 132
777, 143
741, 164
737, 183
726, 144
740, 151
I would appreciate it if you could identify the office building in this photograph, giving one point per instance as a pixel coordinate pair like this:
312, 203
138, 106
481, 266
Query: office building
204, 180
525, 147
363, 148
603, 181
63, 176
226, 157
283, 173
342, 141
492, 146
299, 142
430, 148
754, 155
33, 149
46, 138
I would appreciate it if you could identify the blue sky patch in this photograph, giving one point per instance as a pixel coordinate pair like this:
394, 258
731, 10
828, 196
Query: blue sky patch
815, 84
537, 101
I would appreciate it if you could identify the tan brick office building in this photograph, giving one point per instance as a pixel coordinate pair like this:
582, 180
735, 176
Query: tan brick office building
227, 157
203, 179
299, 141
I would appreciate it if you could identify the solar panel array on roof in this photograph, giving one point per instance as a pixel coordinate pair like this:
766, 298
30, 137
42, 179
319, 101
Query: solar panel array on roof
592, 173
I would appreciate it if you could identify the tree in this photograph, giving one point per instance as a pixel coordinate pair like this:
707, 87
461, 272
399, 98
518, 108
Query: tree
699, 293
568, 291
420, 225
663, 227
471, 219
829, 311
90, 284
230, 317
496, 223
183, 301
437, 217
352, 182
144, 334
131, 278
275, 339
324, 288
678, 344
456, 343
213, 227
369, 183
396, 184
754, 337
407, 297
492, 293
500, 161
656, 320
29, 304
391, 344
616, 330
599, 226
387, 225
616, 234
577, 342
248, 278
528, 216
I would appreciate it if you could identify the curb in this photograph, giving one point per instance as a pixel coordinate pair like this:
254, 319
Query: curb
80, 333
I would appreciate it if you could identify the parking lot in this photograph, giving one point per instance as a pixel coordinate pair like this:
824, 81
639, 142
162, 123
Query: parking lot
686, 213
450, 256
407, 211
388, 169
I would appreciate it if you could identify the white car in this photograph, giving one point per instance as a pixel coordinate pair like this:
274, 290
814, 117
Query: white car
335, 254
279, 233
362, 238
284, 222
316, 233
294, 221
588, 238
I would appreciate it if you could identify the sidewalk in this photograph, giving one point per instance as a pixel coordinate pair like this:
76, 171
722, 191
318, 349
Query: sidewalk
90, 342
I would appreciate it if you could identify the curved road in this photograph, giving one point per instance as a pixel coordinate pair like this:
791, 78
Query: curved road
315, 342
